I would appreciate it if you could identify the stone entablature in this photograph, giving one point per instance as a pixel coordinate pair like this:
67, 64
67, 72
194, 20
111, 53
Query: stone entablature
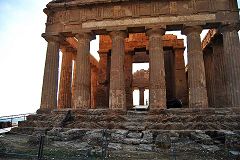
100, 16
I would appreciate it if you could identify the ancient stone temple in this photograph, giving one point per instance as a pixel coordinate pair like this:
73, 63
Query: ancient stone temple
93, 94
119, 19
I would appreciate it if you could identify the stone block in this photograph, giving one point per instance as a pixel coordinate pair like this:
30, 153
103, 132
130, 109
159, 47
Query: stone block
201, 137
145, 147
163, 141
133, 141
134, 135
115, 146
118, 135
73, 134
93, 137
147, 137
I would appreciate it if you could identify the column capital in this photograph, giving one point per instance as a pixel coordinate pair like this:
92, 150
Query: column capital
229, 27
118, 33
156, 31
86, 36
190, 29
52, 38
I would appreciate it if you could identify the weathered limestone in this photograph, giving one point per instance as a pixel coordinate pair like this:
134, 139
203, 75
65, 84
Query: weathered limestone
94, 72
232, 62
141, 96
157, 86
65, 93
103, 80
82, 84
215, 69
169, 65
180, 76
128, 79
50, 79
196, 71
117, 95
73, 77
220, 85
210, 75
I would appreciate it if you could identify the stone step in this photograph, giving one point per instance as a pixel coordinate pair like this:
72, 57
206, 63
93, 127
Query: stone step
22, 130
134, 141
134, 127
132, 153
193, 126
137, 113
35, 124
37, 117
191, 118
132, 134
96, 118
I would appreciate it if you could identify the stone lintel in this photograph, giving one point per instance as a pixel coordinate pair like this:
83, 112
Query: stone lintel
148, 21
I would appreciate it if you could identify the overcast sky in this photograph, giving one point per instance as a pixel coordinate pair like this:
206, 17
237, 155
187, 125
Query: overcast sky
22, 55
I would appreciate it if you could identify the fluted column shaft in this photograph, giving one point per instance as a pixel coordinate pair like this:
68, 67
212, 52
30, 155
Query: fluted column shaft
232, 62
220, 83
82, 82
157, 84
65, 87
102, 98
50, 79
117, 95
141, 96
93, 86
73, 77
181, 90
128, 79
196, 72
210, 75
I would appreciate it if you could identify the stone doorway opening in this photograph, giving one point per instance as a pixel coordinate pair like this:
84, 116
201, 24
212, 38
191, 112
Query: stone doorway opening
140, 85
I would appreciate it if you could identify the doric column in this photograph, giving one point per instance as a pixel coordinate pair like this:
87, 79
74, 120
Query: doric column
128, 78
103, 81
196, 72
180, 76
141, 96
157, 85
232, 62
220, 83
50, 79
82, 83
94, 71
210, 75
117, 95
65, 93
73, 77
